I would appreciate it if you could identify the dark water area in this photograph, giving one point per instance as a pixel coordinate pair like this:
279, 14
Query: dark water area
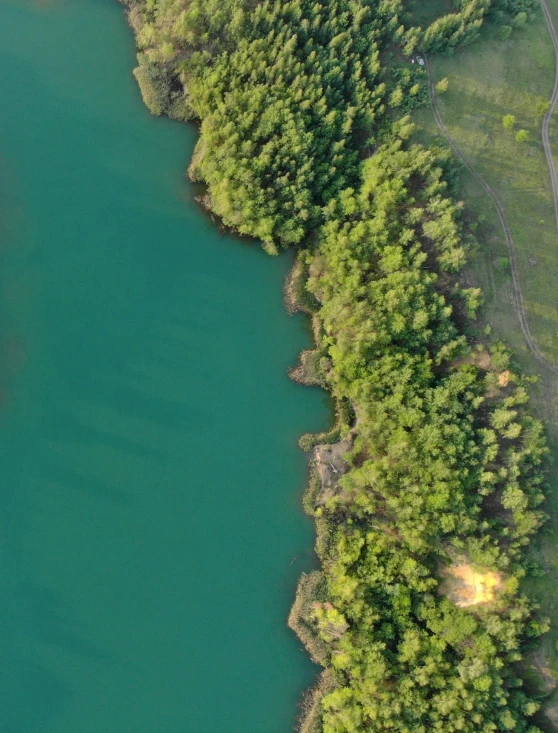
149, 476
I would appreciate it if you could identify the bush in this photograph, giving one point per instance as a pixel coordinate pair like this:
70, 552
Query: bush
504, 32
543, 106
153, 85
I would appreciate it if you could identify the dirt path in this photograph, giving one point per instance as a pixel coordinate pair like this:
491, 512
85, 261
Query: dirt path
518, 304
548, 115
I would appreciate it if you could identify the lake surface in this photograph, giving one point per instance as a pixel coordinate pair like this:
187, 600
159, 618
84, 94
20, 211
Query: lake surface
151, 532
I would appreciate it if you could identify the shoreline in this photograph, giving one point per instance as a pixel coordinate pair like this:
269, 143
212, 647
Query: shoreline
313, 618
296, 300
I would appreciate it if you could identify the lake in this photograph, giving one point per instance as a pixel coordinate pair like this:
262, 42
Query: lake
151, 532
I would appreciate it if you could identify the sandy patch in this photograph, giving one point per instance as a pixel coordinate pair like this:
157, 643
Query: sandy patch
466, 585
504, 378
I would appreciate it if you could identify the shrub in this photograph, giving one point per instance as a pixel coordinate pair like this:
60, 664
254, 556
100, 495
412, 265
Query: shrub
504, 32
153, 85
508, 121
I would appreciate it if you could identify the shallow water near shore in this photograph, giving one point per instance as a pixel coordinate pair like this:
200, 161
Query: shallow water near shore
151, 532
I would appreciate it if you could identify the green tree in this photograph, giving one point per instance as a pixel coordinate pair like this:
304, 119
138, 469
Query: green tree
442, 86
504, 32
522, 136
508, 121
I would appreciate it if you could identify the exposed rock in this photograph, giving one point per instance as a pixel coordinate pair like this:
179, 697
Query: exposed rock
330, 466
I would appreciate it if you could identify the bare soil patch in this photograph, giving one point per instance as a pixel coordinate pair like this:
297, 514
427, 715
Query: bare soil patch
466, 585
330, 466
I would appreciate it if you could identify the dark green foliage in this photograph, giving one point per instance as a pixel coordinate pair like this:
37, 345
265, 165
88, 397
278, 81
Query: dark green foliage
153, 84
158, 89
515, 7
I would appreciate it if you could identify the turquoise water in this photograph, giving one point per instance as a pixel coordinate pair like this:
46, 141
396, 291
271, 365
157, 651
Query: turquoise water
150, 524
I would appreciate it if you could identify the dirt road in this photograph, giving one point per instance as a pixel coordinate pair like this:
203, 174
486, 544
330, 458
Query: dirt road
548, 115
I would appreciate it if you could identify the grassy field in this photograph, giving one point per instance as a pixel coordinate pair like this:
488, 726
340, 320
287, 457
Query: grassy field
488, 80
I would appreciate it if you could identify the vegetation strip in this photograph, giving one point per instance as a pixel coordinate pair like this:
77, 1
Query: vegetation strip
426, 506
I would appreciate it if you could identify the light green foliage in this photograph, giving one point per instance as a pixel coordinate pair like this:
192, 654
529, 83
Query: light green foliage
455, 29
417, 641
302, 142
179, 24
504, 32
542, 107
508, 122
301, 88
429, 447
489, 80
473, 301
522, 136
287, 92
442, 86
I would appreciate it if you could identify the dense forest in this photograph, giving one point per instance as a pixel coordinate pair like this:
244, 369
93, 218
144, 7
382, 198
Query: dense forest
305, 141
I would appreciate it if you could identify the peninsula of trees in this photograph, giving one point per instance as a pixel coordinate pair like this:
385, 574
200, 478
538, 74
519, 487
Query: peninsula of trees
305, 142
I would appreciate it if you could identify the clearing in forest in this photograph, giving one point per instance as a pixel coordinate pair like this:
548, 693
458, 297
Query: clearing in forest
466, 585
